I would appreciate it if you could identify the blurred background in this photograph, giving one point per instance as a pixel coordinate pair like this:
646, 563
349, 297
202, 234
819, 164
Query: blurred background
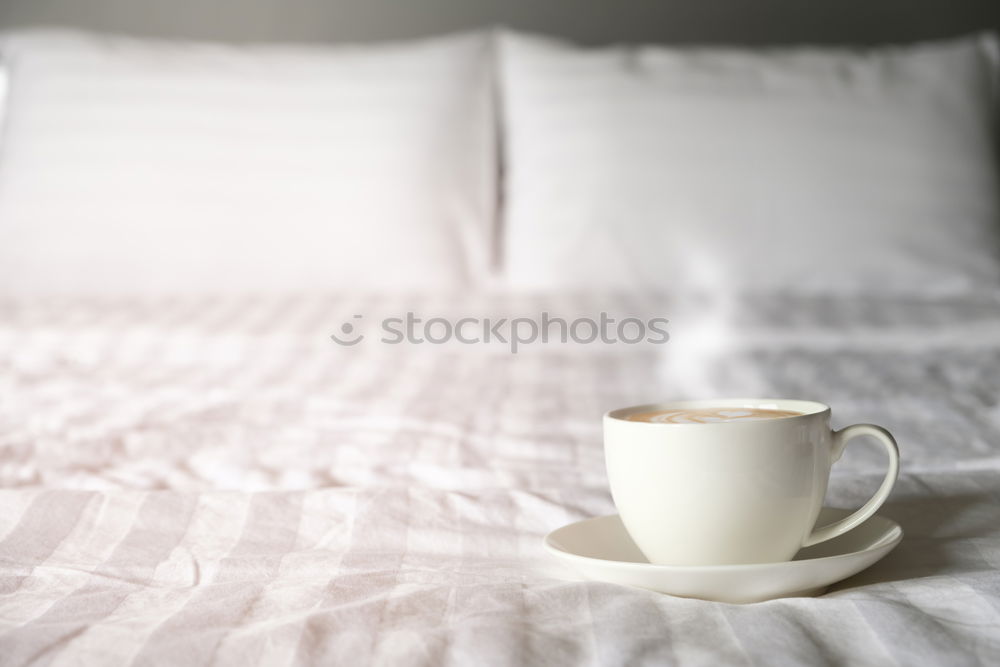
186, 186
588, 21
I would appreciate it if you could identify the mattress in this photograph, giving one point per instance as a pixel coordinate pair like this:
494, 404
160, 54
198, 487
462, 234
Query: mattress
218, 481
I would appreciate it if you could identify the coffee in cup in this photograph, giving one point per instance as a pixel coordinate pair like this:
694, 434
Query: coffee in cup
730, 481
708, 415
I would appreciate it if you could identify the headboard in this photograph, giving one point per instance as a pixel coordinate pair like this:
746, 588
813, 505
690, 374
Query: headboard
589, 21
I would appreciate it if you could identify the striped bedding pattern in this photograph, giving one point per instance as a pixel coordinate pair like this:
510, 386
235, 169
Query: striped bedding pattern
215, 481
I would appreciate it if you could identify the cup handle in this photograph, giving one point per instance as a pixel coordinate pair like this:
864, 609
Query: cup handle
840, 439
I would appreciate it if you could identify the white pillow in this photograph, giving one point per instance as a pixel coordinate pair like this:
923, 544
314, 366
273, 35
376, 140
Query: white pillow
3, 94
808, 169
134, 165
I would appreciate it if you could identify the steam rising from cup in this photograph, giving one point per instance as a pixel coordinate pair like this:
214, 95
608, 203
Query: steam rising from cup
700, 360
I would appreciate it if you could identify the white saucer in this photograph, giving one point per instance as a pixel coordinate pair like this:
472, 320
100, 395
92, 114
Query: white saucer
601, 550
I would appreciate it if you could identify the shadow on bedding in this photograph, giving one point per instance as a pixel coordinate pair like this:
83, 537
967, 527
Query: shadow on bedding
940, 539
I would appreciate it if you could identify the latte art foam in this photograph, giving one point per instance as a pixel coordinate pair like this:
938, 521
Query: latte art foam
709, 415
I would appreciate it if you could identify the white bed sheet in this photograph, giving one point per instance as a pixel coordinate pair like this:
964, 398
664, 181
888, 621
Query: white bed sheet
214, 481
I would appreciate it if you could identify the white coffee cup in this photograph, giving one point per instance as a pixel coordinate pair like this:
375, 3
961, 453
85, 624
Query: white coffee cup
731, 492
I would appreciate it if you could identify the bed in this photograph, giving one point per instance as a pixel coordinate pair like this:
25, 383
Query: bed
214, 476
217, 482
